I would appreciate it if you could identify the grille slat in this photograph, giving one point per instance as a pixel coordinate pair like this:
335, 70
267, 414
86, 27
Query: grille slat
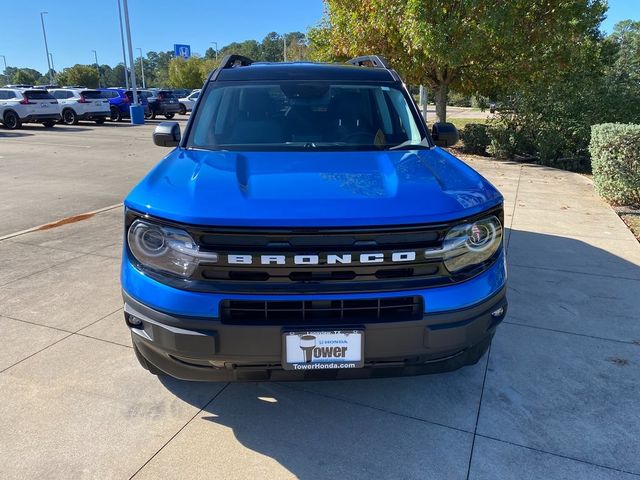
326, 312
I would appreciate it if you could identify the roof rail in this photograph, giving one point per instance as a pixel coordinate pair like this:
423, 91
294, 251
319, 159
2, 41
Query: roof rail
230, 61
375, 61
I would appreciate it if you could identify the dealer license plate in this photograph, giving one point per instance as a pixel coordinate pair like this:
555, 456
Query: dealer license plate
332, 349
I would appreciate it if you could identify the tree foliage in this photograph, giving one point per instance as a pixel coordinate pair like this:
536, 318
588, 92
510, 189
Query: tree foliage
626, 41
190, 73
270, 49
85, 75
469, 45
550, 118
27, 76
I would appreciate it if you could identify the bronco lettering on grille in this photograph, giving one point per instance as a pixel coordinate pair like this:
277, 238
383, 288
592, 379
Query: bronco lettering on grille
329, 259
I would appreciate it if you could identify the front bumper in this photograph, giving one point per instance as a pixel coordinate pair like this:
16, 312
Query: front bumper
192, 346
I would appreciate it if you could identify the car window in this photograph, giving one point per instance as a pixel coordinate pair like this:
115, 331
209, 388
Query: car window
3, 95
315, 115
91, 94
38, 95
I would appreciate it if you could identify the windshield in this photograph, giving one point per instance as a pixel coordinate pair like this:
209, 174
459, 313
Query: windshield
309, 115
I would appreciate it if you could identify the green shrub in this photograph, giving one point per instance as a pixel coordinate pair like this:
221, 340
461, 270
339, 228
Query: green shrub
507, 141
615, 159
476, 138
458, 100
478, 101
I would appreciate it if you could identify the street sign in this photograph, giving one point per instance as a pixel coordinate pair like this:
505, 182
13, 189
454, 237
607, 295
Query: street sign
183, 51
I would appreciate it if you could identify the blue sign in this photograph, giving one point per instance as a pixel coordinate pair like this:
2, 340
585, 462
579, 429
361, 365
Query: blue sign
183, 51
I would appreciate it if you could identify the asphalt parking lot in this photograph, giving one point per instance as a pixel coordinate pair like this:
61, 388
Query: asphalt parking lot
556, 397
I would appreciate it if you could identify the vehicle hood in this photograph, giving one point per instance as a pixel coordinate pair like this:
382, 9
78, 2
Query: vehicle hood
312, 189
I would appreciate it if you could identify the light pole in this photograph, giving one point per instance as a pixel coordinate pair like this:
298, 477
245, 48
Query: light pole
51, 57
144, 85
216, 50
4, 59
46, 46
284, 43
130, 48
95, 54
124, 55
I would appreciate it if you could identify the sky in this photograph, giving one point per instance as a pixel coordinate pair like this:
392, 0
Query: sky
77, 27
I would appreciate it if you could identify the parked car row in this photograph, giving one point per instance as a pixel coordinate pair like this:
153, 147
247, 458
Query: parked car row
24, 104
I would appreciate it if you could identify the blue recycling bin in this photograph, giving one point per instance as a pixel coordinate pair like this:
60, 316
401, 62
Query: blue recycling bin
137, 114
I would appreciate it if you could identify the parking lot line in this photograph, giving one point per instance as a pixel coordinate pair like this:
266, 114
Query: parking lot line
62, 221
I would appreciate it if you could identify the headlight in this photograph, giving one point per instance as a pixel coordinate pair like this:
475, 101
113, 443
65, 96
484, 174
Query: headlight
166, 249
469, 244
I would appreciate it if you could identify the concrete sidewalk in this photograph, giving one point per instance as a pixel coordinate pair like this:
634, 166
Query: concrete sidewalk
558, 395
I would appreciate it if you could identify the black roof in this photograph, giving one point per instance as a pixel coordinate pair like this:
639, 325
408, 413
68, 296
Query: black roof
305, 71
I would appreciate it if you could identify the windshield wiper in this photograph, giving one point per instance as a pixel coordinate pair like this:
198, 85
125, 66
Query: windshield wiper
409, 146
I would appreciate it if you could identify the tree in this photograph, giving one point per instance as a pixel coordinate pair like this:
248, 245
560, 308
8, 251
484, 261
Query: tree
472, 46
248, 48
115, 77
186, 73
25, 76
551, 117
156, 68
626, 43
297, 47
85, 75
272, 48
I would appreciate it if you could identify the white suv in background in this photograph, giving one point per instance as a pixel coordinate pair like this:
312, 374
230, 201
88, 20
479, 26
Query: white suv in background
187, 103
18, 106
81, 104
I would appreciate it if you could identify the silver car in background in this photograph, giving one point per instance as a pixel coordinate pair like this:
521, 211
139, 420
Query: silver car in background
187, 103
18, 106
82, 104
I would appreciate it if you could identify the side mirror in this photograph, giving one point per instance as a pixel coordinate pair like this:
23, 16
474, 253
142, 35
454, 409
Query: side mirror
167, 134
444, 134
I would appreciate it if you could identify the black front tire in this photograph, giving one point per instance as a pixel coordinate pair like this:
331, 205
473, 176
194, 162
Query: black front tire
12, 120
153, 115
183, 109
169, 115
49, 124
69, 117
116, 115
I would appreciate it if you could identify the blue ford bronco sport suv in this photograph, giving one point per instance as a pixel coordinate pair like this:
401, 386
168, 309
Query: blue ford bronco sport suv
307, 225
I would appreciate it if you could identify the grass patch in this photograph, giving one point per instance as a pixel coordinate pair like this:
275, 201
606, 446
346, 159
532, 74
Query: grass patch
460, 123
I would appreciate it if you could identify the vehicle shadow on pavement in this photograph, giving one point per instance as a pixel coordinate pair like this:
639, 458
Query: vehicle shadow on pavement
5, 134
565, 295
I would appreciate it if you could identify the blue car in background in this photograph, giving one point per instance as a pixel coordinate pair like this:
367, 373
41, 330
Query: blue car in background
308, 225
119, 102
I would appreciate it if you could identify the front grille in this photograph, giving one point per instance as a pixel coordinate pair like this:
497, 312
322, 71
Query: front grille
325, 312
323, 276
